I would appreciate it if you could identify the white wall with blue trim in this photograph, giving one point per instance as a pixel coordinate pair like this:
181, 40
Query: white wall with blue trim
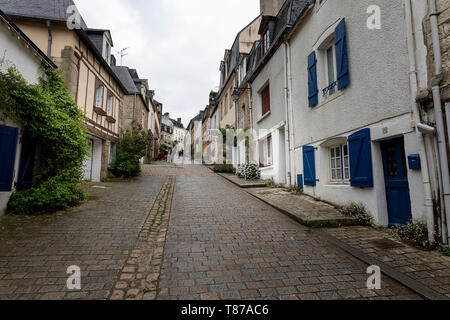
375, 96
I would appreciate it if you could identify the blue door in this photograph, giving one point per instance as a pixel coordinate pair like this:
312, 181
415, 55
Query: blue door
8, 145
27, 155
396, 178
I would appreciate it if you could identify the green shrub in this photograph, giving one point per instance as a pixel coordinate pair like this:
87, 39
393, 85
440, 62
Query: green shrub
446, 251
249, 171
414, 232
47, 113
223, 168
131, 149
358, 211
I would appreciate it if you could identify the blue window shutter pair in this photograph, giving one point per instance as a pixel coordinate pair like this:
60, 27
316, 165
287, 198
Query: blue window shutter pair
309, 166
313, 91
340, 40
360, 150
343, 73
8, 145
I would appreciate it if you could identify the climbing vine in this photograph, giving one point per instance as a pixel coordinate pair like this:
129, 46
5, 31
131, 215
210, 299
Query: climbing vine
49, 115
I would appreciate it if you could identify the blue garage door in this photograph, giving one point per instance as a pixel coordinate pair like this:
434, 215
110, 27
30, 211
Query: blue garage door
8, 146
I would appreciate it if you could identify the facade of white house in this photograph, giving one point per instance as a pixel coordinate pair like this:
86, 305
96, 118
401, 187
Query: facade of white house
16, 163
350, 102
270, 121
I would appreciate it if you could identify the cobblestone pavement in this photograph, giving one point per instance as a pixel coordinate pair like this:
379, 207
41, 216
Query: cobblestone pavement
430, 268
213, 241
222, 243
98, 236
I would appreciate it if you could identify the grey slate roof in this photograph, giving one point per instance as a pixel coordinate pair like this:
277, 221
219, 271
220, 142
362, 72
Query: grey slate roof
54, 10
123, 74
290, 13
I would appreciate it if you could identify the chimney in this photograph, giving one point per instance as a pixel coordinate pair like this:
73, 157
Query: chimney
179, 120
270, 7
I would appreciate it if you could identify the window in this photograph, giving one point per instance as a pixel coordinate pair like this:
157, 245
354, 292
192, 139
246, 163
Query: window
265, 152
266, 42
330, 69
243, 116
112, 153
339, 164
108, 52
99, 95
329, 63
110, 105
265, 99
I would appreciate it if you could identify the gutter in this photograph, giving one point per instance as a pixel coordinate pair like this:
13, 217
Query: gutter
443, 158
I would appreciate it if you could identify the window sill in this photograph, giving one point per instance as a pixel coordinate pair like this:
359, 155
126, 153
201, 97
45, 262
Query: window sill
330, 98
266, 168
338, 184
99, 111
264, 116
110, 119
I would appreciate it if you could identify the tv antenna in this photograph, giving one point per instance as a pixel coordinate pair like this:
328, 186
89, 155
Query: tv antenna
122, 54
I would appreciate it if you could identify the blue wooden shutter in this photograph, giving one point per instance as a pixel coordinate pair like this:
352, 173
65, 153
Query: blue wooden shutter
309, 166
8, 145
313, 92
340, 38
360, 150
27, 155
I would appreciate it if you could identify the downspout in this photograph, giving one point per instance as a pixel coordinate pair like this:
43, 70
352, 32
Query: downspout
443, 158
429, 212
253, 138
134, 109
291, 118
287, 130
50, 38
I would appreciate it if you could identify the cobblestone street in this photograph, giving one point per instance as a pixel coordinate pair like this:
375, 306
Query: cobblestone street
177, 233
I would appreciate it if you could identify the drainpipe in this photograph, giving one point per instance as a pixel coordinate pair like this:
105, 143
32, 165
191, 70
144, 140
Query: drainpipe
443, 158
291, 118
252, 141
50, 38
443, 221
447, 116
134, 108
429, 213
287, 130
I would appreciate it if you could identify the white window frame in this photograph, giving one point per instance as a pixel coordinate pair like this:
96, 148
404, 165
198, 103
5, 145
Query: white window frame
267, 151
99, 88
328, 44
110, 105
343, 161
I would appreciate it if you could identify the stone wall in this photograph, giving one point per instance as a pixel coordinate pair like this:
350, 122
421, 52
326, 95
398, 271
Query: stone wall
443, 7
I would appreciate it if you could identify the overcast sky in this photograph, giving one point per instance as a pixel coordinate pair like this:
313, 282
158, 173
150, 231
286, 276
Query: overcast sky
176, 44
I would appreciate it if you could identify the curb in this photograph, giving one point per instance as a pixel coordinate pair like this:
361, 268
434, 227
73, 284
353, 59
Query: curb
242, 186
329, 223
415, 286
412, 284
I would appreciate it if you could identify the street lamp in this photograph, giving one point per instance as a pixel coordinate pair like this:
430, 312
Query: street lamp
235, 95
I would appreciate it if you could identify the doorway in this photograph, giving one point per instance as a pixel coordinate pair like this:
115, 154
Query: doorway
396, 180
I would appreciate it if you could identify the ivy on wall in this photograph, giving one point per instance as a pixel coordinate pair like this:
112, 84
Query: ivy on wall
49, 115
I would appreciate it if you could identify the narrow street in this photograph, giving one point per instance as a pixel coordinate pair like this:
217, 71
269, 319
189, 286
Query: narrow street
177, 233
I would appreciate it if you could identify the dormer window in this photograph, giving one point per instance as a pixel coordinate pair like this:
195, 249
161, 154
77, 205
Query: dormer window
266, 42
107, 55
